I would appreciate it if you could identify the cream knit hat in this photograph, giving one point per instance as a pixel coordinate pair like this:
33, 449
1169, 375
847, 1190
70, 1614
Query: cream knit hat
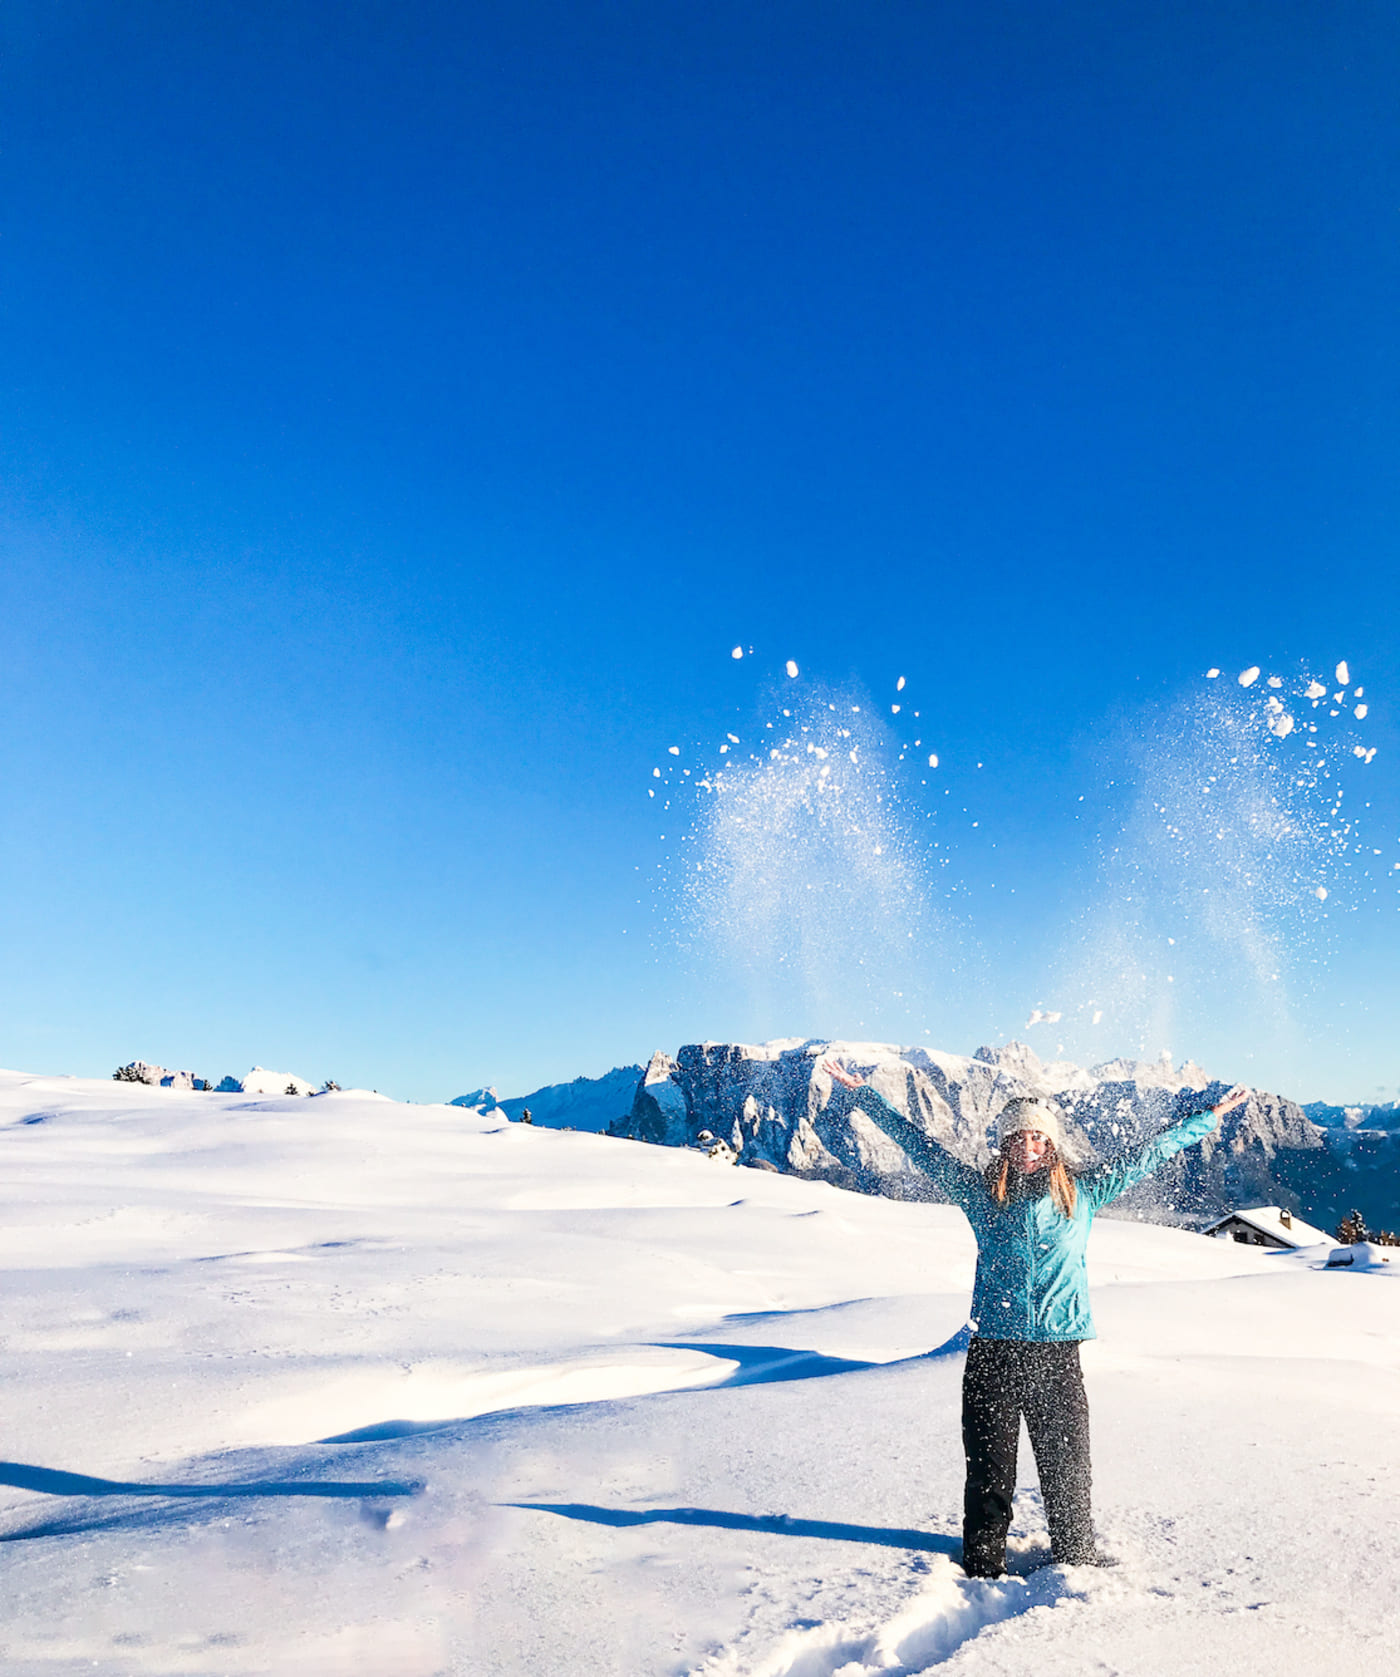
1031, 1112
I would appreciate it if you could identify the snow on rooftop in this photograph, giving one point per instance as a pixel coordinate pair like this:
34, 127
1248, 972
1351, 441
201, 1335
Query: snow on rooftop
1270, 1220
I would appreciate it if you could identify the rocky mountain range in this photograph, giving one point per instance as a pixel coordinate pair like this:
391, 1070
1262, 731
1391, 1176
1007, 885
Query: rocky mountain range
1380, 1115
773, 1105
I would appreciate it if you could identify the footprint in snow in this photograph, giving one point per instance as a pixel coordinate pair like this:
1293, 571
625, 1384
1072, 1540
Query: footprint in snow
948, 1612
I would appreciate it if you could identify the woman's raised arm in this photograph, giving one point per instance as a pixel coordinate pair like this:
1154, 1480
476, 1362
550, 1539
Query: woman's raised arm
1110, 1180
956, 1179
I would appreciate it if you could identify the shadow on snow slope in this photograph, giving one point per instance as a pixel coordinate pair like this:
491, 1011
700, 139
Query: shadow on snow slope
52, 1481
758, 1365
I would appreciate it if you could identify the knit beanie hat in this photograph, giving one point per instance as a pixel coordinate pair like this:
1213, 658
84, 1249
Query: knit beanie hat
1031, 1112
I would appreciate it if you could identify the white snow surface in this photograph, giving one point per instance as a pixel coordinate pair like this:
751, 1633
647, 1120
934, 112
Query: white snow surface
261, 1081
1364, 1254
666, 1419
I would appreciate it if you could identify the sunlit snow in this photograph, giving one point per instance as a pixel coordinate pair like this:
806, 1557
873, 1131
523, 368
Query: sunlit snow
439, 1393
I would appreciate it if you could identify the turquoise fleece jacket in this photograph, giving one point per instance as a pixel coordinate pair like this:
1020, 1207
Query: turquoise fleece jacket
1031, 1282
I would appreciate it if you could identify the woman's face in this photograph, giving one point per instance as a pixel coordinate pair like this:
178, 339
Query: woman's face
1028, 1151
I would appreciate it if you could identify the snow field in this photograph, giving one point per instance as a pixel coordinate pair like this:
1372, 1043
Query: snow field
669, 1417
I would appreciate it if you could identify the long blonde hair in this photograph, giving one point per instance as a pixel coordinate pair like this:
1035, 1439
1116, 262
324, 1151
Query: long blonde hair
1061, 1182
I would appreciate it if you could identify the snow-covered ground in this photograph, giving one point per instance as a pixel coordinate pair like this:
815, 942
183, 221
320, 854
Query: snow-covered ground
442, 1393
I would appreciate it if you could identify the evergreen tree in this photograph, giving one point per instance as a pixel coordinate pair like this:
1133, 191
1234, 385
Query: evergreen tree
1351, 1229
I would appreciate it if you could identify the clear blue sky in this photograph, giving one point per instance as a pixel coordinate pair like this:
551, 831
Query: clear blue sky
406, 409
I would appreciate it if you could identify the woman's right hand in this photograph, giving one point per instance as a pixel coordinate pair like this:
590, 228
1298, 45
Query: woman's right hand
839, 1072
1236, 1097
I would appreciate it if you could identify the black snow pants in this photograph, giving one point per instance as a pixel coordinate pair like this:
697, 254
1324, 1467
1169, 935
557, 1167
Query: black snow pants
1005, 1379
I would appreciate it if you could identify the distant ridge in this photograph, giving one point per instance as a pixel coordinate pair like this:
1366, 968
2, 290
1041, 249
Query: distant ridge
587, 1103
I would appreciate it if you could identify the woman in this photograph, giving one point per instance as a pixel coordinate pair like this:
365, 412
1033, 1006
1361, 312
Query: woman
1030, 1308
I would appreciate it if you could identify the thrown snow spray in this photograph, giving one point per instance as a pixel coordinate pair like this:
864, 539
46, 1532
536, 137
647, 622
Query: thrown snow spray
800, 875
1217, 892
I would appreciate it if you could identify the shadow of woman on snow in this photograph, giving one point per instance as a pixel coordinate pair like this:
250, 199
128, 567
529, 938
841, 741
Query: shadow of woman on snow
782, 1525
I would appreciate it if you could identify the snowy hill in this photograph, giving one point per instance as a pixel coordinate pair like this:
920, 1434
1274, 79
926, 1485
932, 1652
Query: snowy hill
261, 1081
431, 1392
